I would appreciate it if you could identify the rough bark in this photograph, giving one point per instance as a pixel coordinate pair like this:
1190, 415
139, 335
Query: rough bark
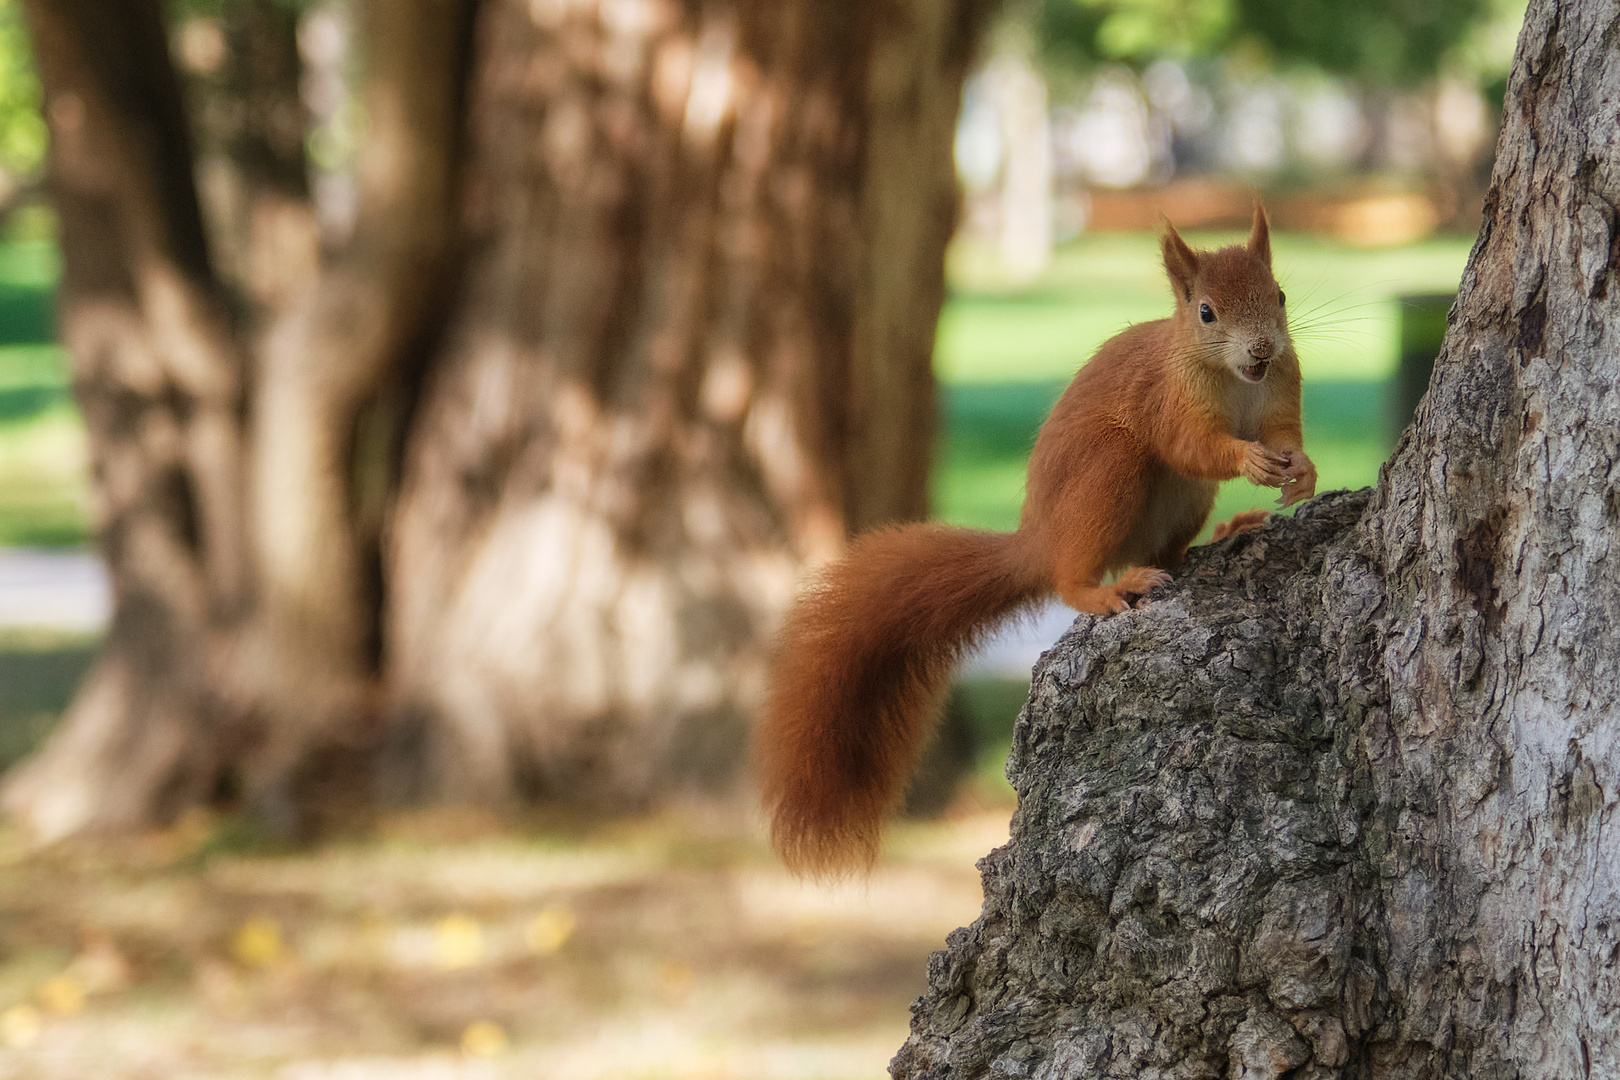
693, 349
1342, 802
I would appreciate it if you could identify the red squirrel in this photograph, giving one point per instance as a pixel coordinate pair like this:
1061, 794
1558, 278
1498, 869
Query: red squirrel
1122, 478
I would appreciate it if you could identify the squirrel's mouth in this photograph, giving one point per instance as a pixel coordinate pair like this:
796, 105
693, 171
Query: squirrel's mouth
1255, 371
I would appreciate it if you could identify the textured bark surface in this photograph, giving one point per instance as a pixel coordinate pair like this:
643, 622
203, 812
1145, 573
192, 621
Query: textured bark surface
693, 350
1342, 801
1180, 882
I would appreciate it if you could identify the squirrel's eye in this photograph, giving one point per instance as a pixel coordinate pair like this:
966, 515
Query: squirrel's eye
1205, 313
1282, 298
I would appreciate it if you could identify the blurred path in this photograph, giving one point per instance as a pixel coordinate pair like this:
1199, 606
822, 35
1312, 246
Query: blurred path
55, 590
1013, 651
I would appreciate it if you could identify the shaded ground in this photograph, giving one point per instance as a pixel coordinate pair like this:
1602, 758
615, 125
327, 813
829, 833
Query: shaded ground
450, 945
38, 671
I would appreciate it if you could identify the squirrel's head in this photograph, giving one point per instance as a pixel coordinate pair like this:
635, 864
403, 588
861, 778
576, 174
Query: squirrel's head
1228, 302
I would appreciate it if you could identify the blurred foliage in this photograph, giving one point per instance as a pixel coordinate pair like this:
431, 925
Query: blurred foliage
22, 128
1376, 41
1385, 41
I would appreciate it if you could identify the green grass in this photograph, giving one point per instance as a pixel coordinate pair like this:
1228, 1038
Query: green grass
38, 673
44, 471
44, 490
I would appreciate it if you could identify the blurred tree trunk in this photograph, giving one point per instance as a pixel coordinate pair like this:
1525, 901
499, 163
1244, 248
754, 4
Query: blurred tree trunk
692, 352
635, 319
158, 378
1343, 802
241, 73
336, 355
239, 479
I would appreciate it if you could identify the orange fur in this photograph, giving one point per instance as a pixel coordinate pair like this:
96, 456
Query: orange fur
1122, 478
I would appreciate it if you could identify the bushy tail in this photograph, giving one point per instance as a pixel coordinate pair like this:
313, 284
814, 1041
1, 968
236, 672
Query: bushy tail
861, 668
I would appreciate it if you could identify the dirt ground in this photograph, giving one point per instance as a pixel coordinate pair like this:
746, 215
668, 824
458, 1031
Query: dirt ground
451, 945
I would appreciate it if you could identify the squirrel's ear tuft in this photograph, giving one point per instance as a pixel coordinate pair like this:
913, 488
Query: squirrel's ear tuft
1260, 235
1180, 261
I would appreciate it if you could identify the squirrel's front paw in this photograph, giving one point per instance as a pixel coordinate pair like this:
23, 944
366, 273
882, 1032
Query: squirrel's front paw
1264, 467
1299, 481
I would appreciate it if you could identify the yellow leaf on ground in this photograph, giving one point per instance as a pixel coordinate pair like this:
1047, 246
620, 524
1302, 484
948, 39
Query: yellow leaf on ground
258, 942
550, 929
484, 1039
62, 995
458, 942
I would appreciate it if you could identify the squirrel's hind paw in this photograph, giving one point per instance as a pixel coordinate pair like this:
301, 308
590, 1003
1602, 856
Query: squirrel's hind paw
1115, 598
1248, 519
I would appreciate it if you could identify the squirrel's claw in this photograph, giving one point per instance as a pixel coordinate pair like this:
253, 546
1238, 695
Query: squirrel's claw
1300, 479
1265, 467
1141, 580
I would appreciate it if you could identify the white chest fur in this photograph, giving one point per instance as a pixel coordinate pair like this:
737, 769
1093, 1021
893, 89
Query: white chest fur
1245, 404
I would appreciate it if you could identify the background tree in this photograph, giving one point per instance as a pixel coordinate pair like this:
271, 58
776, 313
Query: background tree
636, 316
1341, 803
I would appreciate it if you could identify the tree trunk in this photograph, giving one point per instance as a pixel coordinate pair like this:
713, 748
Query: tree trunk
245, 623
248, 120
346, 338
640, 297
156, 374
1342, 803
692, 351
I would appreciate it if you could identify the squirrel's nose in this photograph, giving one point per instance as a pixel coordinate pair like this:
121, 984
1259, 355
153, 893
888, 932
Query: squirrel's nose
1261, 348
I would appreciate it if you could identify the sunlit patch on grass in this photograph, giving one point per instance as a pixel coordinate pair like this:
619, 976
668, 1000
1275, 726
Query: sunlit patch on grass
44, 479
20, 1026
608, 953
